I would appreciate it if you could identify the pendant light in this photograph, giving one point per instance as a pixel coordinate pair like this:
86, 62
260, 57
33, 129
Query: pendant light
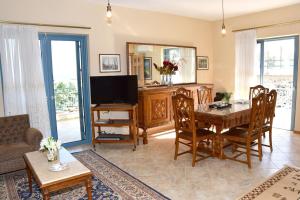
223, 31
108, 11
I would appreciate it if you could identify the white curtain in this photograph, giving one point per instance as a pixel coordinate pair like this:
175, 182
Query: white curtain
245, 45
22, 74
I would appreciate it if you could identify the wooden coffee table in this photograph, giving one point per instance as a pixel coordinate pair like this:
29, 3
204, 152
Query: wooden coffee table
76, 173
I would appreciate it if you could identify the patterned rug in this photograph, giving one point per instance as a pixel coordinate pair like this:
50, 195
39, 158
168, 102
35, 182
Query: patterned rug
283, 185
109, 182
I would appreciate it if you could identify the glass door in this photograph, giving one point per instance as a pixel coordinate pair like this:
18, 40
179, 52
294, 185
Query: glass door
66, 77
279, 70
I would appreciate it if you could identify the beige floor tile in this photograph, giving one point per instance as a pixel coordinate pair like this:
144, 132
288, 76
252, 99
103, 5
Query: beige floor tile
210, 179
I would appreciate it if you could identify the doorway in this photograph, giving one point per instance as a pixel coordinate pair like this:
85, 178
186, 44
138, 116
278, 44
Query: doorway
67, 86
278, 69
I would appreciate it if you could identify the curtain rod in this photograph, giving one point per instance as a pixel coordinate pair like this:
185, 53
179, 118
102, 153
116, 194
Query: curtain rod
268, 26
40, 24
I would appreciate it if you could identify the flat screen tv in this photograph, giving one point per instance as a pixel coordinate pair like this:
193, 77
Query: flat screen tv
114, 89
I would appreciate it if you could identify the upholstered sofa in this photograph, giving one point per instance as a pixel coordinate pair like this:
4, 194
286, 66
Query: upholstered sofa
16, 138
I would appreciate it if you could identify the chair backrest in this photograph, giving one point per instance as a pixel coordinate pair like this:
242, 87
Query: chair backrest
13, 128
183, 91
184, 116
270, 107
256, 90
257, 114
204, 95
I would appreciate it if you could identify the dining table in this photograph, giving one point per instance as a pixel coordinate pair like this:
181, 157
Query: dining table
237, 113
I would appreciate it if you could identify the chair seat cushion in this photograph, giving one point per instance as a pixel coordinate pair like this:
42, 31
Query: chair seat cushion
238, 134
14, 151
201, 134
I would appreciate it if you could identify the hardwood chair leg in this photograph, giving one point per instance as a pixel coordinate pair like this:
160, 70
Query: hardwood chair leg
259, 148
194, 149
270, 140
176, 147
249, 154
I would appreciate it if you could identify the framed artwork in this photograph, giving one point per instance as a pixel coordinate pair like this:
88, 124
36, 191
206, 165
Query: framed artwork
148, 68
110, 62
202, 62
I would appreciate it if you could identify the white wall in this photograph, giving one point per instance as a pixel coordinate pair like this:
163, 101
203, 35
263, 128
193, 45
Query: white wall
128, 25
224, 47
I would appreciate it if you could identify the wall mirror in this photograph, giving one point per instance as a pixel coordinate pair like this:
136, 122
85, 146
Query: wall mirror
142, 56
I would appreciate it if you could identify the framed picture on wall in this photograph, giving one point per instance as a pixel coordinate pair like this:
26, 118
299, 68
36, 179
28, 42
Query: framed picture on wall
202, 62
148, 68
110, 62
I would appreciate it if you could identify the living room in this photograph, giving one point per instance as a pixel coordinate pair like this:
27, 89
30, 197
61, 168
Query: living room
92, 31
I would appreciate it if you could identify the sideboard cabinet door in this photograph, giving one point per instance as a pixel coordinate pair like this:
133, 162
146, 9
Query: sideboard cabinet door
159, 109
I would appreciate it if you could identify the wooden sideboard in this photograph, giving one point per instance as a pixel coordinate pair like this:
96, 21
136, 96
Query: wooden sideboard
155, 106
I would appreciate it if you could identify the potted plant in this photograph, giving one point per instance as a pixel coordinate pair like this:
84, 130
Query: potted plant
227, 96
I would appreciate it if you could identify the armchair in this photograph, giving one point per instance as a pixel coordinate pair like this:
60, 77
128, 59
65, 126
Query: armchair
16, 138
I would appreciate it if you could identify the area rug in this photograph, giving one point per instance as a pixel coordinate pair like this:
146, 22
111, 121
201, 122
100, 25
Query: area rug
109, 182
283, 185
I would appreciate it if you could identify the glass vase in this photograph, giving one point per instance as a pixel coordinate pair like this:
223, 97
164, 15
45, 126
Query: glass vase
169, 80
53, 160
163, 79
52, 155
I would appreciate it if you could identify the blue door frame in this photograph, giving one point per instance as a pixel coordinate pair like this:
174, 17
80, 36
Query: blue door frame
83, 82
295, 75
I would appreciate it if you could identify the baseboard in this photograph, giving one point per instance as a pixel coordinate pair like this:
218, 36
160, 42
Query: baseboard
297, 132
158, 129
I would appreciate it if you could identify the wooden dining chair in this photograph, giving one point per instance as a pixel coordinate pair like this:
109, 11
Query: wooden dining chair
269, 115
204, 94
243, 138
257, 90
183, 91
185, 127
254, 92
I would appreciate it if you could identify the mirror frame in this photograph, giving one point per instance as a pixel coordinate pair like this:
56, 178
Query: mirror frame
170, 45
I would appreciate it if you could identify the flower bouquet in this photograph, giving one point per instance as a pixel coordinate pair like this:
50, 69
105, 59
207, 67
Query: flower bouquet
51, 146
167, 70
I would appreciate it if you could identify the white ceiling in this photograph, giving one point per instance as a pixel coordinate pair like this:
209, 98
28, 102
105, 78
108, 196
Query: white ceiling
204, 9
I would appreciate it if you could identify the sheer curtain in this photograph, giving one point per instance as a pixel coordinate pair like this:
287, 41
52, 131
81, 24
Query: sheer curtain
245, 46
22, 74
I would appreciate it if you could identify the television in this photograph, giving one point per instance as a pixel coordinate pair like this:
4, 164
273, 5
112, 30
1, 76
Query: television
114, 89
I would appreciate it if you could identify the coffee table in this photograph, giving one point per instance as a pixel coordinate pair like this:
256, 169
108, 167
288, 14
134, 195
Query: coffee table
75, 174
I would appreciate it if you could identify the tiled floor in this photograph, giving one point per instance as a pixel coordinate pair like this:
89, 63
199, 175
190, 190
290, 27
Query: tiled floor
209, 179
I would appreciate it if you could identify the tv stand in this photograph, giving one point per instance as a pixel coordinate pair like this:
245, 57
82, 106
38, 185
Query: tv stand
97, 123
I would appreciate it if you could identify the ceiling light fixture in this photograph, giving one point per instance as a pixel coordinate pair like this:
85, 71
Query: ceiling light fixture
223, 31
108, 10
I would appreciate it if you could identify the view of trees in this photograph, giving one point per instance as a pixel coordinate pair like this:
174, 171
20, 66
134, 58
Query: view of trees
65, 96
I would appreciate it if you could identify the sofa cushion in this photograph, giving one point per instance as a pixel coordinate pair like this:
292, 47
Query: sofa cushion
14, 151
13, 128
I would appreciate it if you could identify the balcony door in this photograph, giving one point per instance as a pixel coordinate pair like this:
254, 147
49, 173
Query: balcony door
278, 69
66, 77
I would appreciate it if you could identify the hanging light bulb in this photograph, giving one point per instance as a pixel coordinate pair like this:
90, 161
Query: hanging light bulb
223, 31
108, 11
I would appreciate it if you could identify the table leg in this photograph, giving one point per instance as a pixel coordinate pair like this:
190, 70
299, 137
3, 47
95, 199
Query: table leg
88, 185
145, 136
29, 174
46, 194
218, 148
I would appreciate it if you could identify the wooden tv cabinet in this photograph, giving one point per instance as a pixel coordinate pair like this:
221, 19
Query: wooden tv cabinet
97, 123
155, 106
